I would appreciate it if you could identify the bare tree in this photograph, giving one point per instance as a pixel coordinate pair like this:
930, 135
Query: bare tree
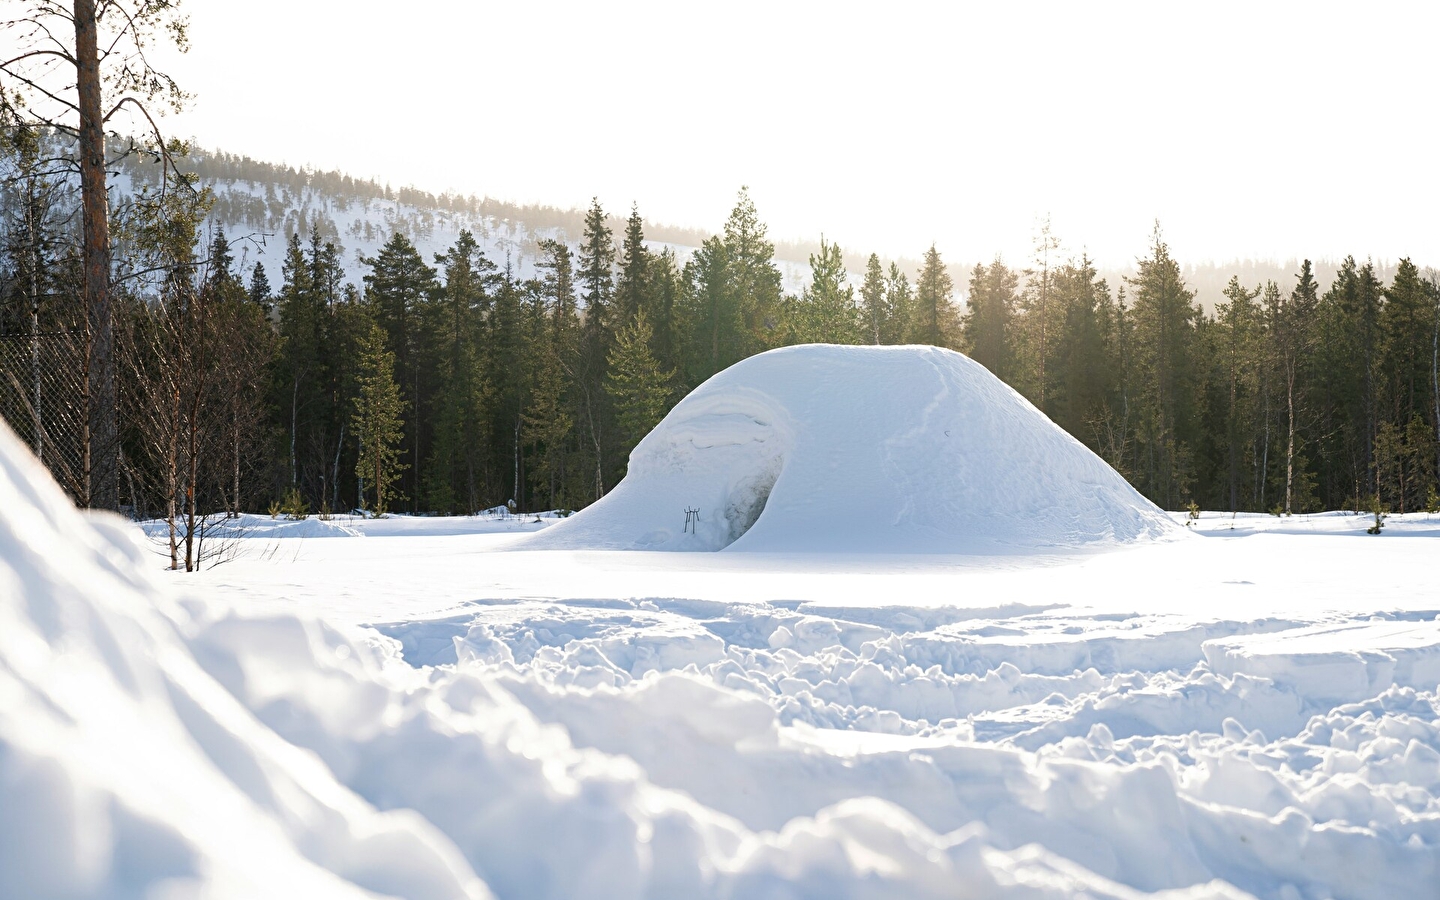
82, 70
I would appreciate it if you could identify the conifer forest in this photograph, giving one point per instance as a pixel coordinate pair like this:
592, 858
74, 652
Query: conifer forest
452, 384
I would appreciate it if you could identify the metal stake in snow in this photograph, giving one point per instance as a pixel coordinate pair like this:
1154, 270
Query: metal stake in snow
692, 518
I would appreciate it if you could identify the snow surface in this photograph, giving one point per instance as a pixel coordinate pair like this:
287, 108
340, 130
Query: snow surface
861, 449
424, 707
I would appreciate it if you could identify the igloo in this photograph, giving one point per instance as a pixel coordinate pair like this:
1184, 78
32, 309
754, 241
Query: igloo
823, 448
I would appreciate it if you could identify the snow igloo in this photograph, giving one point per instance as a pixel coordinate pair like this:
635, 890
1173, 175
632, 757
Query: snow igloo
824, 448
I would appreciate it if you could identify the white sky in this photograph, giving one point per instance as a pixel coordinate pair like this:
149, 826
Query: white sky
1248, 129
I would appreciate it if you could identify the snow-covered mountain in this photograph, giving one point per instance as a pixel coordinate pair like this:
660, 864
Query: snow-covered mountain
260, 206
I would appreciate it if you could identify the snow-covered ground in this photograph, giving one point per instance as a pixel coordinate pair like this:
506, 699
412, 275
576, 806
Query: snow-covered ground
1257, 705
1245, 706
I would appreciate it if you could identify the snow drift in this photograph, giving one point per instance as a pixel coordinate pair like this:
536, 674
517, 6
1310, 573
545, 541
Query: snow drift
860, 449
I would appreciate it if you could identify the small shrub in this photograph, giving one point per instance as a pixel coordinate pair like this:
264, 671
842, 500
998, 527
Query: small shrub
294, 506
1379, 510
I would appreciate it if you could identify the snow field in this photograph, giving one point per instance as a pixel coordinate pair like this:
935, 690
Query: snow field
1156, 779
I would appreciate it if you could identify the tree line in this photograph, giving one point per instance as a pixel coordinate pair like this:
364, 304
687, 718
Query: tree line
451, 384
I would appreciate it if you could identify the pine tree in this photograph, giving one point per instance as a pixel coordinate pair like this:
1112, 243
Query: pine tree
1082, 371
826, 310
899, 307
715, 323
1164, 317
397, 290
986, 325
1350, 348
630, 292
665, 296
455, 465
548, 423
1040, 313
1239, 322
597, 263
260, 288
936, 321
640, 388
377, 420
303, 332
872, 301
753, 281
1406, 321
1293, 335
508, 377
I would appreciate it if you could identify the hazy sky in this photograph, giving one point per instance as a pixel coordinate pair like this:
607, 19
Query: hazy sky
1248, 129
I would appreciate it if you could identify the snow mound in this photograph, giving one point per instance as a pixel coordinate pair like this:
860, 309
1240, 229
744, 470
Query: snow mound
127, 770
822, 448
1343, 661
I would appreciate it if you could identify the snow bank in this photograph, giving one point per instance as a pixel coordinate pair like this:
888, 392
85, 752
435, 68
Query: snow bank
126, 769
1337, 662
824, 448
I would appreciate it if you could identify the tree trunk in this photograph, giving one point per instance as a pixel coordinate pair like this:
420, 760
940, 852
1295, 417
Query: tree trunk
172, 477
1290, 438
34, 239
103, 430
235, 472
335, 471
1435, 383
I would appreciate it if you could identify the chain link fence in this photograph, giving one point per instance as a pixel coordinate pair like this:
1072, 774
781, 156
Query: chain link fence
42, 398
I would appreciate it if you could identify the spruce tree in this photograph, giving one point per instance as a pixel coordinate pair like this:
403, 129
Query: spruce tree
985, 328
1350, 347
872, 301
826, 310
753, 280
936, 321
398, 288
716, 326
299, 382
630, 292
260, 288
377, 420
597, 279
1293, 338
666, 289
455, 462
1406, 322
899, 307
1238, 319
639, 387
1081, 372
548, 423
1164, 315
1040, 314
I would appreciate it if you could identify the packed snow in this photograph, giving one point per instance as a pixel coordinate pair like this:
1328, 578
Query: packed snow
431, 707
860, 449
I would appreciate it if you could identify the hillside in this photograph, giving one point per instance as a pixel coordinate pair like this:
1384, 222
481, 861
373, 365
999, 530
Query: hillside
261, 204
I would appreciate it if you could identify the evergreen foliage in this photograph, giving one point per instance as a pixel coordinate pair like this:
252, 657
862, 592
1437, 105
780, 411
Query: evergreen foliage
485, 386
640, 388
377, 420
